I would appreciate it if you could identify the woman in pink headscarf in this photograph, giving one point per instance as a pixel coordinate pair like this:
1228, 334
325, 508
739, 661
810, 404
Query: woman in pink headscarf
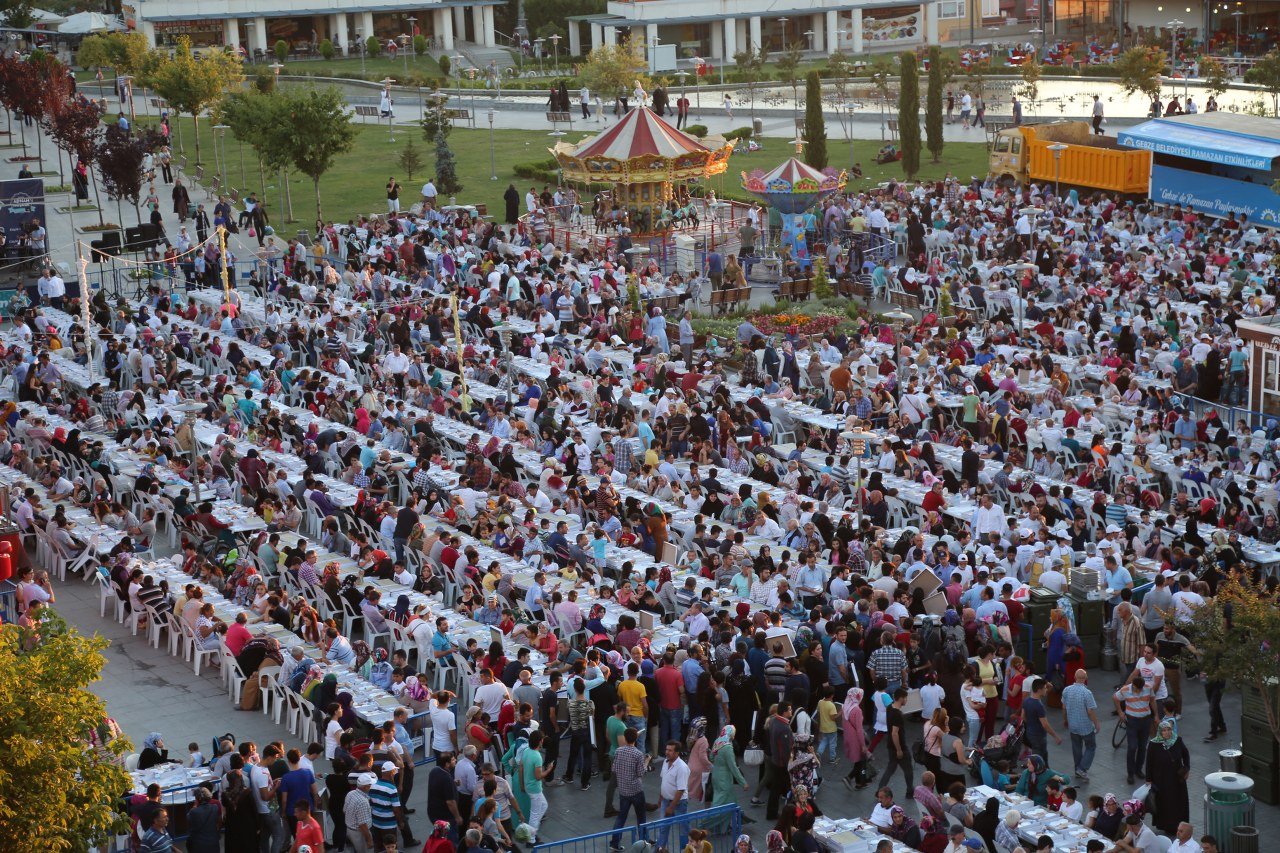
855, 742
362, 421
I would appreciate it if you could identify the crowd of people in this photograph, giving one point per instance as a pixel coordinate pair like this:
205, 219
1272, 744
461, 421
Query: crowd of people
684, 564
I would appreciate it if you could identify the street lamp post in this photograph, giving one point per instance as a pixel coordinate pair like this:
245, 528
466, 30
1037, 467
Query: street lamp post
360, 38
405, 40
1237, 14
1057, 148
220, 131
493, 169
391, 115
1174, 26
413, 32
555, 49
809, 34
783, 20
538, 43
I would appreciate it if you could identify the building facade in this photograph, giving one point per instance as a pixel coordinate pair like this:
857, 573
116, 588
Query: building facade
257, 26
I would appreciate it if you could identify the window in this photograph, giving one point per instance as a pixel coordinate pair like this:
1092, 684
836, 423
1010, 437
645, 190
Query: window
1017, 144
951, 8
1002, 144
1270, 402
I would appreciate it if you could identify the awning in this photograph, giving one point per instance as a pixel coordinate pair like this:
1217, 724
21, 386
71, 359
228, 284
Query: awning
1198, 143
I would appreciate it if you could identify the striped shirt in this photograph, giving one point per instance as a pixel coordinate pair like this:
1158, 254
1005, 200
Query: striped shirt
384, 799
1136, 704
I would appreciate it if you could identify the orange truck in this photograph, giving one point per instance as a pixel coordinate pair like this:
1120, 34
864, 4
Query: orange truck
1020, 155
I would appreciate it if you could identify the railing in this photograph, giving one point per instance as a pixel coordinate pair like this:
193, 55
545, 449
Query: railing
722, 823
1227, 413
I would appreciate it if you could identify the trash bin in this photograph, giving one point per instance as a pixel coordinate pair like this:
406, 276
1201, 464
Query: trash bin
1228, 804
1244, 839
686, 253
757, 126
1229, 760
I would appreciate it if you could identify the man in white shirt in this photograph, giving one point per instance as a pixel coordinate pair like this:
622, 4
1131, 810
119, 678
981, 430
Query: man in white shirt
491, 693
882, 814
1051, 578
429, 194
51, 288
987, 518
674, 793
1138, 838
1183, 840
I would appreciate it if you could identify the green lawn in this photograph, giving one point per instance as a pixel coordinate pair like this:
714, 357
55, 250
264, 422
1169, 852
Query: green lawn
356, 184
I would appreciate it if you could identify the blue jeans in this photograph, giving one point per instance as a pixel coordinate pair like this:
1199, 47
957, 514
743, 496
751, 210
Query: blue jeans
641, 725
625, 802
1082, 749
1135, 752
827, 745
670, 724
682, 828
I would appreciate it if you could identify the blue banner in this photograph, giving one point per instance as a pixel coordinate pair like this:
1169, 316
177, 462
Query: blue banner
21, 203
793, 236
1199, 143
1215, 196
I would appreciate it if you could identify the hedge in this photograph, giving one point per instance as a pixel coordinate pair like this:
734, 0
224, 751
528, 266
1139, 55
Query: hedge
739, 133
698, 130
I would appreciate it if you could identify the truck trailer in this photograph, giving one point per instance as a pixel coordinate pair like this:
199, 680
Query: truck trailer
1024, 154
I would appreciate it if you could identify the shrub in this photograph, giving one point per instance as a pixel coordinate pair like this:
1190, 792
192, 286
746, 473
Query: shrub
445, 62
372, 46
543, 170
698, 130
326, 49
281, 50
739, 133
419, 45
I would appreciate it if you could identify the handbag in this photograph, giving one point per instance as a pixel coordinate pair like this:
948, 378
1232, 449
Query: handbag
918, 753
252, 232
753, 756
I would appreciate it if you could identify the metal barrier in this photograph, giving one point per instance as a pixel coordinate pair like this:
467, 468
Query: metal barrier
723, 825
1226, 413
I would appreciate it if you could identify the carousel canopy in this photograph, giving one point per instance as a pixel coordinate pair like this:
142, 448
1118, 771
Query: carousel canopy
642, 148
793, 186
641, 132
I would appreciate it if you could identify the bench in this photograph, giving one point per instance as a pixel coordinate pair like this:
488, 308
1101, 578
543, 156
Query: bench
456, 114
182, 163
799, 127
366, 111
893, 129
850, 287
199, 173
668, 304
902, 299
234, 195
215, 187
557, 117
729, 299
159, 104
795, 288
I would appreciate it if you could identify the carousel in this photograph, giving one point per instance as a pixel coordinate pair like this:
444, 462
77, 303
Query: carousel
648, 166
792, 189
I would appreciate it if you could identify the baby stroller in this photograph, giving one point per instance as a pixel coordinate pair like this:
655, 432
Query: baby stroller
1007, 745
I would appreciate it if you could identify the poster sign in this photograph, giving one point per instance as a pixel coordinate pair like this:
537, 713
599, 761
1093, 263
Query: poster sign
793, 236
21, 203
892, 26
1215, 195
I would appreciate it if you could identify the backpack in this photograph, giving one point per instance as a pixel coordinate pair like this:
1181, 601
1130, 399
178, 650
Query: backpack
953, 645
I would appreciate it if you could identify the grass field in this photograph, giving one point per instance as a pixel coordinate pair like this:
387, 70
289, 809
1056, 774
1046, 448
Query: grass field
356, 184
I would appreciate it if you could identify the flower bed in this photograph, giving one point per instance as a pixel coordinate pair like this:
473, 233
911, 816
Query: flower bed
818, 323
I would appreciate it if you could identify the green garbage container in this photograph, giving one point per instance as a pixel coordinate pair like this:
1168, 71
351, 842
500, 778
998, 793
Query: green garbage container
1227, 804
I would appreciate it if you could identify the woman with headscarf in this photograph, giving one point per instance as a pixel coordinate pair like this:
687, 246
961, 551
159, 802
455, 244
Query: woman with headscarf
438, 841
326, 691
744, 845
1107, 821
795, 811
1035, 778
699, 760
401, 611
362, 421
725, 773
1168, 765
153, 751
258, 654
349, 719
666, 591
240, 813
774, 842
986, 821
902, 828
656, 523
415, 694
855, 742
744, 701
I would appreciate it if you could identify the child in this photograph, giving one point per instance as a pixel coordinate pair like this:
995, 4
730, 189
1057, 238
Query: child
828, 723
1095, 809
1053, 795
1071, 808
880, 702
196, 758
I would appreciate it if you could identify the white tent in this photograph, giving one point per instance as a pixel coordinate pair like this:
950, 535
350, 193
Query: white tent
83, 23
40, 16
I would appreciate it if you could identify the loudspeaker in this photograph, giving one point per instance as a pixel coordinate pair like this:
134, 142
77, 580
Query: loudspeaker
139, 238
108, 245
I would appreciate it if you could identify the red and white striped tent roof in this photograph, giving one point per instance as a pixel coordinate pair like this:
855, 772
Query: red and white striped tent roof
640, 133
792, 171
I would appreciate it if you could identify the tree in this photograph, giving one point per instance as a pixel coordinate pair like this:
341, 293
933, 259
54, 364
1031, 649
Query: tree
881, 77
16, 14
77, 130
789, 68
933, 104
326, 49
1266, 73
127, 53
1032, 71
192, 87
815, 127
1139, 70
57, 788
1216, 77
410, 159
281, 50
255, 117
446, 169
909, 113
614, 68
435, 118
316, 130
372, 46
120, 161
1238, 634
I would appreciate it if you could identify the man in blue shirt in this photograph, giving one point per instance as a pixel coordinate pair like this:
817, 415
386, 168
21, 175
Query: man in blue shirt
533, 599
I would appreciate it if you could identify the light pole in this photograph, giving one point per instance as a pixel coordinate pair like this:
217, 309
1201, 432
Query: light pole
808, 34
555, 49
698, 62
1237, 14
220, 131
1174, 26
405, 40
783, 20
413, 34
1057, 148
538, 43
682, 75
493, 169
360, 38
191, 410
